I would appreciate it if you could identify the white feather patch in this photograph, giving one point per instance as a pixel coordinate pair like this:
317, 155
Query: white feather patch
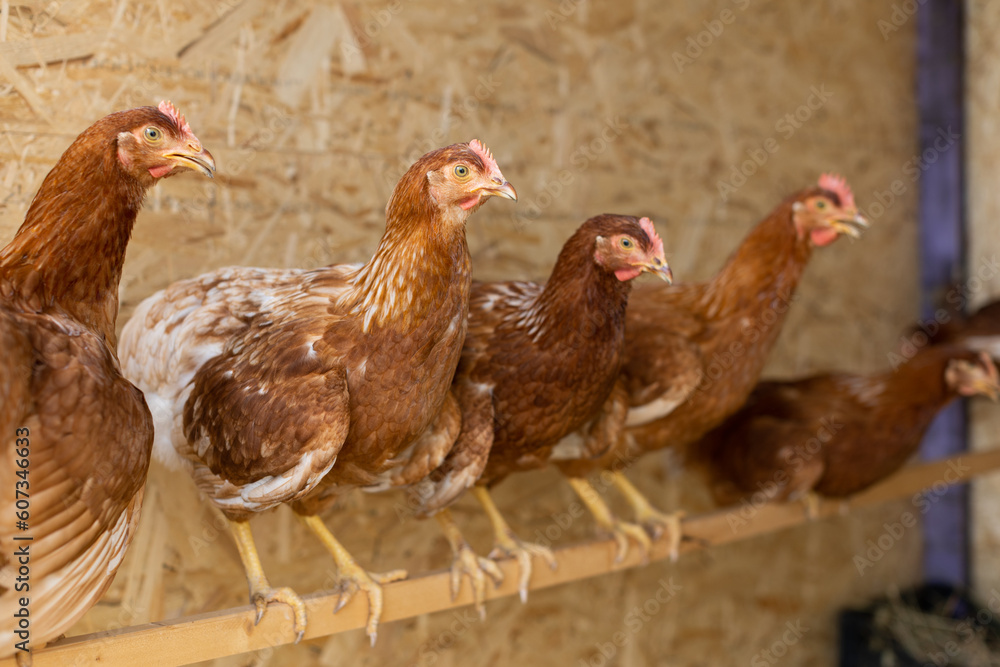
569, 448
988, 344
655, 409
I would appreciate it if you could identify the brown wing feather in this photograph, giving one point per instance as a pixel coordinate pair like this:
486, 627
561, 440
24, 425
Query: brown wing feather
603, 437
223, 370
761, 455
83, 506
468, 456
428, 452
663, 366
237, 413
15, 375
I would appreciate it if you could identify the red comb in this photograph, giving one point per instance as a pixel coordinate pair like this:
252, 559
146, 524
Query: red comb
837, 184
485, 155
654, 238
173, 114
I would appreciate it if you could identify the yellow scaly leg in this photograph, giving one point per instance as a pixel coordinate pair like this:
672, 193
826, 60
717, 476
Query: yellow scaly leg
261, 592
353, 577
509, 544
620, 531
466, 562
655, 521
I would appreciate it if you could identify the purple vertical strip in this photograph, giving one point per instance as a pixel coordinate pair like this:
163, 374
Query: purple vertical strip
940, 65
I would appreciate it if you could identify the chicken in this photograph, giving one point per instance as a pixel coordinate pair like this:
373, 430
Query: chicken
76, 435
695, 351
837, 434
292, 386
540, 362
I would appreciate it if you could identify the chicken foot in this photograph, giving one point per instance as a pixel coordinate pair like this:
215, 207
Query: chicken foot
653, 520
353, 577
510, 545
261, 592
466, 562
621, 531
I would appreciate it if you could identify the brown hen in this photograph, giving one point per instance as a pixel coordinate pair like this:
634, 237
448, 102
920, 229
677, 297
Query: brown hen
290, 386
540, 362
837, 434
76, 435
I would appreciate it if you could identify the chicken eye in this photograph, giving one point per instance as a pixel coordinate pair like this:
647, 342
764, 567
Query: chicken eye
461, 171
820, 204
626, 243
152, 134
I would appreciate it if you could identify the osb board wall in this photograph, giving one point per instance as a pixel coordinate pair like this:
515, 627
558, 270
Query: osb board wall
983, 159
314, 110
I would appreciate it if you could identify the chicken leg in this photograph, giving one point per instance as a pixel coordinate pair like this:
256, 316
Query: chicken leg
353, 577
620, 531
509, 544
653, 520
261, 592
466, 562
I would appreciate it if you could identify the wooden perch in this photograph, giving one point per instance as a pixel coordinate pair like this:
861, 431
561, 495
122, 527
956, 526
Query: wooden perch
231, 631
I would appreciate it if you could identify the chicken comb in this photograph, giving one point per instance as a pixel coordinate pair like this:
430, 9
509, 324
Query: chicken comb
837, 184
171, 112
654, 238
485, 155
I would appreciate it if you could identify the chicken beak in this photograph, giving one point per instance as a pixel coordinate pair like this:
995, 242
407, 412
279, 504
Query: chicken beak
196, 158
852, 225
659, 267
499, 187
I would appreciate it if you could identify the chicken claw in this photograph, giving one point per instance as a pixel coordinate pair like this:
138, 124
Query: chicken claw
620, 531
260, 597
657, 523
509, 545
477, 568
261, 592
466, 562
353, 577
